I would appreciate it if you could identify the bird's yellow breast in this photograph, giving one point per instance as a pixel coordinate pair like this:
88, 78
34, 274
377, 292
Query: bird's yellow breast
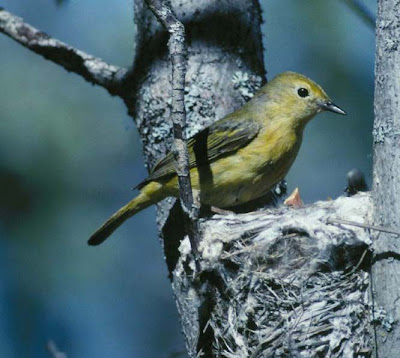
250, 173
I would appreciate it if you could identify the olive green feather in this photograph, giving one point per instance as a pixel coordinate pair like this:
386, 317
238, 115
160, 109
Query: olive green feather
222, 138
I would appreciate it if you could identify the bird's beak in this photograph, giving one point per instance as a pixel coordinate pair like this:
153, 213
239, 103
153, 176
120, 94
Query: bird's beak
329, 106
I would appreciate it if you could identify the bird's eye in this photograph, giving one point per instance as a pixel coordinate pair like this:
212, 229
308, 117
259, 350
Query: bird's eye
302, 92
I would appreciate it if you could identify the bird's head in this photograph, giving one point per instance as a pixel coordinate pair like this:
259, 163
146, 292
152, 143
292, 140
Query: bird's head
297, 97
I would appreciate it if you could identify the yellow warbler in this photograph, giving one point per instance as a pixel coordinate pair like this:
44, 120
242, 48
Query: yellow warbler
241, 156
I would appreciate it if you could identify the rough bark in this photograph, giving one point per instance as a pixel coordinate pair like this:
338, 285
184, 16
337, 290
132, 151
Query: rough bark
386, 190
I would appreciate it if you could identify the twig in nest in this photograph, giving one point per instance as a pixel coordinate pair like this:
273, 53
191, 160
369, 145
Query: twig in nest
365, 226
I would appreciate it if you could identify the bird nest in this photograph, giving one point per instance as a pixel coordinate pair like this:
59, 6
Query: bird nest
279, 283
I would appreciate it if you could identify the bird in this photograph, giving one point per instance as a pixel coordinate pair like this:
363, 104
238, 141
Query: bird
355, 182
240, 157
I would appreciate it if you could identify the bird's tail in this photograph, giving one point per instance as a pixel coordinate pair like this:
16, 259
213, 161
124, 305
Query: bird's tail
142, 201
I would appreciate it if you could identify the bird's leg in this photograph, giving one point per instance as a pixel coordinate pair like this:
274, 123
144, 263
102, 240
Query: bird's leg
220, 211
196, 197
205, 208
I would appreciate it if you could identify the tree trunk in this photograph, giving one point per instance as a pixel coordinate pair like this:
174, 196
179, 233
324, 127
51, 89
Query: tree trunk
386, 191
225, 67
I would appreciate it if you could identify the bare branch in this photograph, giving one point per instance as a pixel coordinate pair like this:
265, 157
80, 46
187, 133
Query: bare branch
365, 226
53, 350
177, 50
91, 68
362, 11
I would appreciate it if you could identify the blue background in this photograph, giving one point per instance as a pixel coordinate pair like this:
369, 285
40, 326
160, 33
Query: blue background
69, 155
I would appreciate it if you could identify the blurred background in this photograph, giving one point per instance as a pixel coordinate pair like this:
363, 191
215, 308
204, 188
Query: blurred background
69, 155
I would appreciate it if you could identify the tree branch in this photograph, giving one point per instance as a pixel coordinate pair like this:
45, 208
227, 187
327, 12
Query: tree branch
365, 226
177, 51
91, 68
53, 350
362, 11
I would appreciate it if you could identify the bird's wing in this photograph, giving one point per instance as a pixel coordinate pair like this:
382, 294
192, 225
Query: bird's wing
220, 139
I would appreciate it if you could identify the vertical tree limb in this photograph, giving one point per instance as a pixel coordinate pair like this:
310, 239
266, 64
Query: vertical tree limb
223, 68
386, 191
177, 52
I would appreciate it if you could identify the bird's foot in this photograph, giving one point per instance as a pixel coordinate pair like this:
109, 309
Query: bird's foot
220, 211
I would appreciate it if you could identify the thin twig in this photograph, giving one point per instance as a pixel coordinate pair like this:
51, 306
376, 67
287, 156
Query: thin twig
362, 11
373, 310
177, 51
91, 68
364, 226
356, 267
53, 350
